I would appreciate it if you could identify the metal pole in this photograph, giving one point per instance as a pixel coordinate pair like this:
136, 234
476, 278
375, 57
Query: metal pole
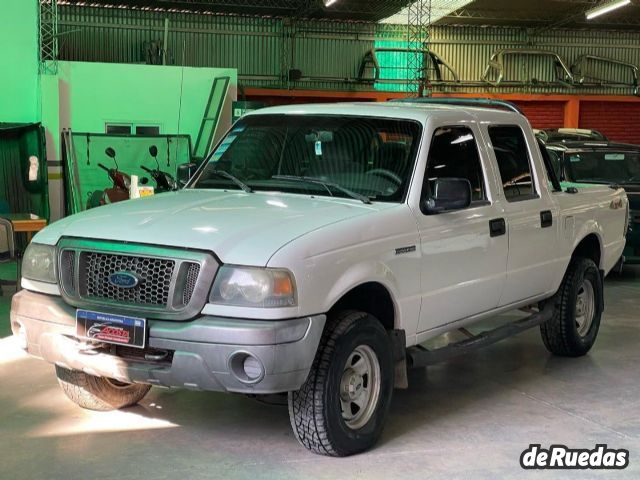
418, 23
166, 40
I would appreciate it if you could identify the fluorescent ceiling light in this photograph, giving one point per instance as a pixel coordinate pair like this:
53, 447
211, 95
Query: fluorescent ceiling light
439, 9
606, 8
328, 3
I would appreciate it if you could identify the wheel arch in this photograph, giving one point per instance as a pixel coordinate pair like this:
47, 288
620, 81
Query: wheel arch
589, 247
371, 297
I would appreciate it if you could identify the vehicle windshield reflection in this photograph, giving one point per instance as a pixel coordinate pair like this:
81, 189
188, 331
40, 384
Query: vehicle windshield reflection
361, 158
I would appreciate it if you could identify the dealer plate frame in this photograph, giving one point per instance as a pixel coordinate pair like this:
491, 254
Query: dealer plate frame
134, 324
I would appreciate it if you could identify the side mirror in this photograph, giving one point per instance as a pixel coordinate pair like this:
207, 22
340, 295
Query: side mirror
185, 172
153, 151
448, 194
110, 152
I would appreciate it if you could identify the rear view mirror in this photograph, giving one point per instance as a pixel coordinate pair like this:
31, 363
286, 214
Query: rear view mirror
448, 194
323, 136
110, 152
185, 172
153, 151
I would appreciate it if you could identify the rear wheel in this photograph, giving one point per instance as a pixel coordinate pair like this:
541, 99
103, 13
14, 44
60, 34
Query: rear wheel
99, 393
341, 408
573, 329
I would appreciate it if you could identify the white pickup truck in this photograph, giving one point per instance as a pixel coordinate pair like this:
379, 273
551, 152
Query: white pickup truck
312, 253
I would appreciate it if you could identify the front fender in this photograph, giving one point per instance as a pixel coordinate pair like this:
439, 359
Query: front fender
359, 274
381, 248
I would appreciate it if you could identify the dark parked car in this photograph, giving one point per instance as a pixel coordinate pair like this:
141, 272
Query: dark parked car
553, 135
604, 163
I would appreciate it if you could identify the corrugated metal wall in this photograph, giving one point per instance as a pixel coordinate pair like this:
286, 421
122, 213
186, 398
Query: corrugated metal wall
327, 53
468, 50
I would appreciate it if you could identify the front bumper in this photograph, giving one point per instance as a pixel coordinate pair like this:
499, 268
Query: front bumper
205, 354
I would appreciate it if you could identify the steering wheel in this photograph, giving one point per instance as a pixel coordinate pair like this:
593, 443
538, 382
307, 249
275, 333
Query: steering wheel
381, 172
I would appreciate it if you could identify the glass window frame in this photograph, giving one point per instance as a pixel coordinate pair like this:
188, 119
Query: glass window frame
425, 190
414, 155
535, 195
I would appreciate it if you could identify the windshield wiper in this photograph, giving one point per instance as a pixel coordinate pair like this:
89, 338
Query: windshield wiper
327, 185
236, 180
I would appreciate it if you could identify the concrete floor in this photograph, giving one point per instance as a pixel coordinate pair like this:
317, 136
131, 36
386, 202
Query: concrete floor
468, 418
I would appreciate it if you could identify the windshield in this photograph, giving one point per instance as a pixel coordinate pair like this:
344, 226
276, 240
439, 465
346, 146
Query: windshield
569, 137
605, 167
330, 155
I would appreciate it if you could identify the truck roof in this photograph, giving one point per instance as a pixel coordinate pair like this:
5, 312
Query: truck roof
420, 112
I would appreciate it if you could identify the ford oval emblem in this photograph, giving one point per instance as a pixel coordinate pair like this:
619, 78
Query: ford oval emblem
124, 279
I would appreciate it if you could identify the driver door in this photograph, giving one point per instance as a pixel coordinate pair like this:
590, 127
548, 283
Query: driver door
464, 252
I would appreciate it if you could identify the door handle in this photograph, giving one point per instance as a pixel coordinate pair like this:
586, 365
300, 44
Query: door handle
497, 227
546, 219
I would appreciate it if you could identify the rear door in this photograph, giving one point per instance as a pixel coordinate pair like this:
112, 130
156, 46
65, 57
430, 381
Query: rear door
532, 217
464, 252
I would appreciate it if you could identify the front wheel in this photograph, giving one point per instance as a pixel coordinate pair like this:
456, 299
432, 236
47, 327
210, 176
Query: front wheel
341, 408
99, 393
573, 329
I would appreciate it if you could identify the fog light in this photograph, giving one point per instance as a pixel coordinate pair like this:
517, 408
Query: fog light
246, 368
252, 368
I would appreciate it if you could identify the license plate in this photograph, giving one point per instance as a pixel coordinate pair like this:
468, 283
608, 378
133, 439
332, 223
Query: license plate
109, 328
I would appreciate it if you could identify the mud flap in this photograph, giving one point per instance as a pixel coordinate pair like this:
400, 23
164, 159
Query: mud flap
398, 341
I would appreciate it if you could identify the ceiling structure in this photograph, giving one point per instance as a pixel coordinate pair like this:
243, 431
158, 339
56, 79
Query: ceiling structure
543, 13
359, 10
524, 13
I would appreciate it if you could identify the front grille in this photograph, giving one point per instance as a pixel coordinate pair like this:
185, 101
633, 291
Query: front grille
151, 355
67, 270
190, 283
155, 276
166, 283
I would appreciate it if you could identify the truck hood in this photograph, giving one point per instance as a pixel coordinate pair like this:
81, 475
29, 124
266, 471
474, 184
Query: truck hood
240, 228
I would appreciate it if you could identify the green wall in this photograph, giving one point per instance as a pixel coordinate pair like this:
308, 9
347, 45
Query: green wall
19, 51
85, 96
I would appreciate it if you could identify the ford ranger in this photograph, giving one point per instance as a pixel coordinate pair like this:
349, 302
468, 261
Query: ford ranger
313, 253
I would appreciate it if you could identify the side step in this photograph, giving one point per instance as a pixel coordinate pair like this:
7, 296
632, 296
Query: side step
419, 356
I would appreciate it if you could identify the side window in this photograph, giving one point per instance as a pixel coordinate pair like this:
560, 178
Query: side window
454, 154
512, 155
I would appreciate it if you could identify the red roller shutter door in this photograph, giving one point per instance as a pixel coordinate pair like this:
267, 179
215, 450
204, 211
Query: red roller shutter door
544, 114
620, 121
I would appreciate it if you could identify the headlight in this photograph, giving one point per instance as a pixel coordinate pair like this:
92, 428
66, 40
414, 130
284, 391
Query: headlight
254, 287
39, 263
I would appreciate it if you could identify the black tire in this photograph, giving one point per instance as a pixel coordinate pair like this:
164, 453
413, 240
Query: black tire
316, 411
565, 334
98, 393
